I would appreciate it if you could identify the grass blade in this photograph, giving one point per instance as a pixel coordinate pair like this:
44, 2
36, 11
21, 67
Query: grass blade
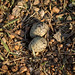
11, 22
5, 45
1, 57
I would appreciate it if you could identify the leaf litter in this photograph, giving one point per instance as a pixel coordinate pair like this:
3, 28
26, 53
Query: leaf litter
16, 20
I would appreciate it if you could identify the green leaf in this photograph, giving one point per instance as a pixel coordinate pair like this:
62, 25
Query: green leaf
5, 45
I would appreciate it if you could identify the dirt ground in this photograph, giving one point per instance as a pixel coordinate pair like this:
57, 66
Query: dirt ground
16, 20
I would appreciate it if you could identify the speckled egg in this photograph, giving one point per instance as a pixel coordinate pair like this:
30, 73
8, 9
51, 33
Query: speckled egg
38, 44
39, 29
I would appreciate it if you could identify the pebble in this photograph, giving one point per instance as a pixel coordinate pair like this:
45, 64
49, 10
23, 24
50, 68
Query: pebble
42, 13
36, 2
46, 2
55, 10
36, 9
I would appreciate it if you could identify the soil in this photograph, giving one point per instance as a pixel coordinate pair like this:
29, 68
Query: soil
16, 19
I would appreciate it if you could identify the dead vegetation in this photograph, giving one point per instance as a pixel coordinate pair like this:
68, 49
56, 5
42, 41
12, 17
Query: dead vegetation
16, 19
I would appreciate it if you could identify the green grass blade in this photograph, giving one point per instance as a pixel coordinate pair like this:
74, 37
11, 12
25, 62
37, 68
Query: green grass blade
13, 53
11, 22
1, 57
5, 45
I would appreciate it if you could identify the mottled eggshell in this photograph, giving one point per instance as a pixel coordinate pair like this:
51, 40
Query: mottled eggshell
38, 44
39, 29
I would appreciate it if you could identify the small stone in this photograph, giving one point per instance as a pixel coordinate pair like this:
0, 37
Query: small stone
14, 68
16, 11
36, 2
10, 17
69, 18
39, 29
1, 20
58, 36
4, 68
52, 40
20, 32
55, 10
38, 44
46, 2
55, 60
42, 13
60, 45
17, 47
12, 36
36, 9
70, 5
21, 3
4, 40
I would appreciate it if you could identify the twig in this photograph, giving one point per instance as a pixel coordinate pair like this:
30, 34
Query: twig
5, 62
68, 21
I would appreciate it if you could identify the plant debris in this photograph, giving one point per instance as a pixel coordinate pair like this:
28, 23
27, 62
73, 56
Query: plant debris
22, 22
